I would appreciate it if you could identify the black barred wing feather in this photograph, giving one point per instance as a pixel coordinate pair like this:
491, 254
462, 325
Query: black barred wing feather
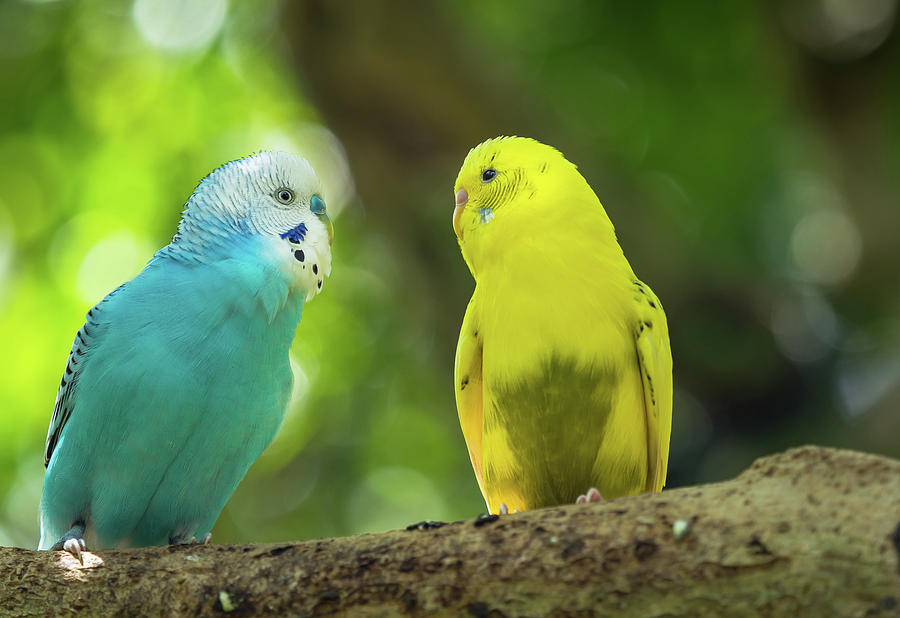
654, 357
86, 339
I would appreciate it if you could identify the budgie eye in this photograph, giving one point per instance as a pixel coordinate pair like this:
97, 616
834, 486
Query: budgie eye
285, 196
317, 205
488, 174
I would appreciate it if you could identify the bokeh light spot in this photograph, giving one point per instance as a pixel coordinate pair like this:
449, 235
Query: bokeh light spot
301, 384
112, 261
826, 247
6, 252
805, 326
863, 382
179, 25
23, 493
841, 30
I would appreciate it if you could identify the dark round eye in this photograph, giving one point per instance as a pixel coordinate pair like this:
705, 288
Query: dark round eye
488, 174
285, 196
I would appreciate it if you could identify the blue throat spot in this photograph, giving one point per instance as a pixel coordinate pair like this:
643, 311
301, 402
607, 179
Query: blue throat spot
296, 234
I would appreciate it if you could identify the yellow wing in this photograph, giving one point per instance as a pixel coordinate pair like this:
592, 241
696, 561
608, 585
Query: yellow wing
655, 363
469, 392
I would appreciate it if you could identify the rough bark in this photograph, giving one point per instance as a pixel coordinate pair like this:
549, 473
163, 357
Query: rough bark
810, 532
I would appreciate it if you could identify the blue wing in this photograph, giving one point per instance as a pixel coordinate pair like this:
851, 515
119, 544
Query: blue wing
86, 339
174, 386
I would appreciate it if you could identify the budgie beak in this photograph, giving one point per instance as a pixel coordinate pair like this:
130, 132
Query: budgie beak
317, 207
462, 198
325, 219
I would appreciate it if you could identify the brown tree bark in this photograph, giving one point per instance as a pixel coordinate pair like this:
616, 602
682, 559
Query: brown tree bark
810, 532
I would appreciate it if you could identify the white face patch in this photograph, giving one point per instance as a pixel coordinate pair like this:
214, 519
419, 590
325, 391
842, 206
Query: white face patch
271, 194
487, 215
309, 256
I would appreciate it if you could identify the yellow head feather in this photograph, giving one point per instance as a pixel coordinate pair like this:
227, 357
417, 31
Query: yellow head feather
510, 188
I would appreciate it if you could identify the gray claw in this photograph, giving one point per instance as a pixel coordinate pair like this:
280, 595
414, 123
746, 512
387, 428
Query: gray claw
182, 539
75, 547
72, 541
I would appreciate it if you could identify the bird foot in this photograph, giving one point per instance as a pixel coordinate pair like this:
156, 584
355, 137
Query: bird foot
75, 547
592, 495
504, 510
183, 539
426, 525
72, 542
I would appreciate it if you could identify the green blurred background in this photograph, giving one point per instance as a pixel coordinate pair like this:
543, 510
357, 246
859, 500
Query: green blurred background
748, 153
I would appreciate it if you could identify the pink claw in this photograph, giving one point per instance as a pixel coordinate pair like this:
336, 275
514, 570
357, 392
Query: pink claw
592, 495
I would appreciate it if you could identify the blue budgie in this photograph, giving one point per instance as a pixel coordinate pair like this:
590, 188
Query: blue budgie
180, 377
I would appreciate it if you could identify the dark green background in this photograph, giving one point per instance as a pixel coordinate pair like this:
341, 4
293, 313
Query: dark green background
748, 153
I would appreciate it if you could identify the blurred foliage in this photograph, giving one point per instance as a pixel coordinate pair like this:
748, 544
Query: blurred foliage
748, 153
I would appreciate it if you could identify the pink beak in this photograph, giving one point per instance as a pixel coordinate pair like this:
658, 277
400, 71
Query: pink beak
462, 198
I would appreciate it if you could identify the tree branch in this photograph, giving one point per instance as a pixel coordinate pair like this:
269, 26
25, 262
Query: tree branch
812, 532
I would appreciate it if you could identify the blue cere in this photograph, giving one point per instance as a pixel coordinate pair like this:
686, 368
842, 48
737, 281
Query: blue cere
296, 234
317, 205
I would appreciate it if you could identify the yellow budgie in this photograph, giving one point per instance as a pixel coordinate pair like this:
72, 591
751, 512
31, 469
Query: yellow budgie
563, 369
